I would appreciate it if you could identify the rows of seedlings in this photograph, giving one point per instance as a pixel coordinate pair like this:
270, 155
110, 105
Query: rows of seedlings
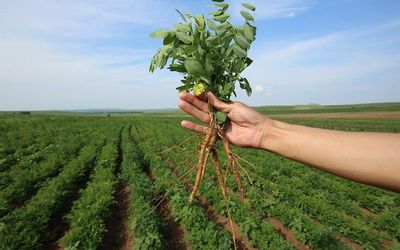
89, 214
28, 227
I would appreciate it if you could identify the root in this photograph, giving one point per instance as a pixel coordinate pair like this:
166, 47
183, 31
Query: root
161, 198
232, 162
231, 224
245, 172
176, 146
180, 164
207, 148
219, 172
203, 156
246, 161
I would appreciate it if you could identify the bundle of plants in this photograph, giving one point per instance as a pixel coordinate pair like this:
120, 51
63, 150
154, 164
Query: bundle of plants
210, 53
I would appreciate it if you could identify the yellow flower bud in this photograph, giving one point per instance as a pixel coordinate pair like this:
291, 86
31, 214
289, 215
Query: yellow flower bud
198, 89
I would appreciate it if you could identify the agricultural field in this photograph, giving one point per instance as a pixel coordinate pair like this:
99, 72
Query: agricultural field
123, 182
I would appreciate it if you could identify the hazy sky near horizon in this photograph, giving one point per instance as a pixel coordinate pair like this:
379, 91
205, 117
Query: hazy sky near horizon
72, 54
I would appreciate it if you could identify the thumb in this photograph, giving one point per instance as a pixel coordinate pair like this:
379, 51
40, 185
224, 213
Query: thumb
215, 102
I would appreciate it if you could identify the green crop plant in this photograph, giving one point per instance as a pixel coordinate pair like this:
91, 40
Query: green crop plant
210, 53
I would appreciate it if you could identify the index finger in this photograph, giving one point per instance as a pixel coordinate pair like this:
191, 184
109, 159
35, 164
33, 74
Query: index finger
199, 102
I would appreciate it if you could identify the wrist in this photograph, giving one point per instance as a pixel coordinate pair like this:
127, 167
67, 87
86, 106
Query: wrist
273, 135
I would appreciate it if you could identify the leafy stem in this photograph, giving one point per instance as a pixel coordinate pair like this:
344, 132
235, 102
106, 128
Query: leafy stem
210, 51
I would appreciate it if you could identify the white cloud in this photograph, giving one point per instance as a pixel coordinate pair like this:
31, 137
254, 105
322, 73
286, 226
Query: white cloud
357, 60
259, 88
276, 8
82, 18
38, 76
69, 54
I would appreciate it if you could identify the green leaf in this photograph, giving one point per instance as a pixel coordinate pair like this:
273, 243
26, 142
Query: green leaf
170, 38
224, 27
239, 51
221, 117
160, 33
248, 32
177, 67
229, 51
221, 18
211, 24
241, 40
181, 27
237, 67
247, 15
216, 13
183, 88
184, 38
222, 5
249, 6
211, 38
209, 67
244, 84
228, 88
194, 67
182, 16
189, 49
249, 61
199, 19
151, 68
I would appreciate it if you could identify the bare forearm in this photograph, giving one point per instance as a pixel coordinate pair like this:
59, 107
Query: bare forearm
371, 158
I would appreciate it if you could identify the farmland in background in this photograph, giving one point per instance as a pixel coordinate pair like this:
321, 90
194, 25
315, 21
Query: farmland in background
86, 180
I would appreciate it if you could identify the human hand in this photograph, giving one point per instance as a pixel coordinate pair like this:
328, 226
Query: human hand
246, 127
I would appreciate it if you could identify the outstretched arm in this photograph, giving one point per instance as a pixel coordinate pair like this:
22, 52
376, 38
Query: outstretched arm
368, 157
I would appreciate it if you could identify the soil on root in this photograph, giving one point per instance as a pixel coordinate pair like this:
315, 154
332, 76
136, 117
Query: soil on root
118, 236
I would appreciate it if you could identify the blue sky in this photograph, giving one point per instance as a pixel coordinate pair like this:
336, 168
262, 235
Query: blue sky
72, 54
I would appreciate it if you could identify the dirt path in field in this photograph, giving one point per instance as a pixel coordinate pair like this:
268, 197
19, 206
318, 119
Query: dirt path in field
368, 213
173, 232
346, 115
349, 243
174, 235
118, 234
286, 233
242, 242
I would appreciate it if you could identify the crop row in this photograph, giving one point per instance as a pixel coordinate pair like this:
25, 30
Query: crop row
341, 214
27, 227
144, 222
20, 137
22, 181
89, 213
